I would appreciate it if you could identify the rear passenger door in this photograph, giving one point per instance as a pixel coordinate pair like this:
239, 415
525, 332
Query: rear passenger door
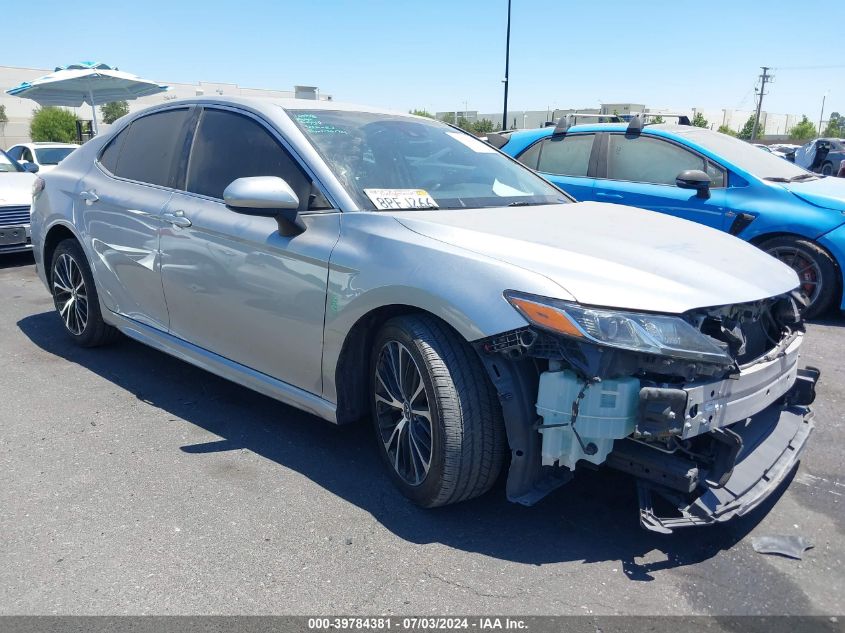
120, 201
564, 160
640, 171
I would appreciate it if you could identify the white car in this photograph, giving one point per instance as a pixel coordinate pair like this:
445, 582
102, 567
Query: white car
15, 200
45, 155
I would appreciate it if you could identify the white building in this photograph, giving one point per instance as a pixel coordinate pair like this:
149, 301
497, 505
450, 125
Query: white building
19, 110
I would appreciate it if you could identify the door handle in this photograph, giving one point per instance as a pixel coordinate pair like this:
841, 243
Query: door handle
609, 196
176, 218
90, 197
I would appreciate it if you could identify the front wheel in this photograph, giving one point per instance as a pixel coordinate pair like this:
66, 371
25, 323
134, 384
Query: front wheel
437, 419
827, 169
75, 296
815, 267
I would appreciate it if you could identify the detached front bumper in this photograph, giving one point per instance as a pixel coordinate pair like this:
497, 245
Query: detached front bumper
772, 443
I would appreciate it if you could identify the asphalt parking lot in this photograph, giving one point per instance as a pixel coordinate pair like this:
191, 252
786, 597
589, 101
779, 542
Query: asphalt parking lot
134, 483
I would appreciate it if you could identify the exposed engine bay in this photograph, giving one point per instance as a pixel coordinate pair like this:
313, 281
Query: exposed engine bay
709, 438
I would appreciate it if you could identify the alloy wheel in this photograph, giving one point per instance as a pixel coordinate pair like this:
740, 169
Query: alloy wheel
70, 294
403, 412
803, 263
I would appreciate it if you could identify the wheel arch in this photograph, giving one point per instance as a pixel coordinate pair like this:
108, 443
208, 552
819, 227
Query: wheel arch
54, 236
758, 240
351, 374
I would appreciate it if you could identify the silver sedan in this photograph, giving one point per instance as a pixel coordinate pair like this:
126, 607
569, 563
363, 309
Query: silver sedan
359, 264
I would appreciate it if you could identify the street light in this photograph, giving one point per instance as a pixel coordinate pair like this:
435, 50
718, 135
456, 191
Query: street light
821, 116
507, 64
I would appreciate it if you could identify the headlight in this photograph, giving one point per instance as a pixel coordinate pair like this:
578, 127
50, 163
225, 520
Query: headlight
648, 333
37, 186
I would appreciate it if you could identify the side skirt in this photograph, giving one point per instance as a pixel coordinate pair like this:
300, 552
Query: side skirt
223, 367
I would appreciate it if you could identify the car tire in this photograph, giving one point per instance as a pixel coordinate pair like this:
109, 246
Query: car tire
75, 297
827, 169
815, 267
432, 401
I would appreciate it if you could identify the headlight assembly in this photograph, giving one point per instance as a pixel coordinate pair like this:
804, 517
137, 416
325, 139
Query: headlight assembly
660, 334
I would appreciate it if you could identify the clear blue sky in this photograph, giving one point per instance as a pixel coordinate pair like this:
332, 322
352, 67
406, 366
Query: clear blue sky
440, 53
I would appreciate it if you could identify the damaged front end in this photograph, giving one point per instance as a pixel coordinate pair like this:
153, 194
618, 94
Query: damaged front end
708, 410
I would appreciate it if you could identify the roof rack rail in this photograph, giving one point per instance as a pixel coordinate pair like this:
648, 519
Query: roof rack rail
567, 121
639, 120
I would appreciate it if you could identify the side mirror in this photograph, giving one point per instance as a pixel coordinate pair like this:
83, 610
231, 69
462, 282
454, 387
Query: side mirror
267, 196
694, 179
30, 167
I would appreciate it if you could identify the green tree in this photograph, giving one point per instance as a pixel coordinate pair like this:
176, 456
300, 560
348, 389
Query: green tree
3, 117
53, 124
835, 126
724, 129
424, 113
656, 119
449, 118
747, 130
464, 124
113, 110
699, 121
484, 126
803, 130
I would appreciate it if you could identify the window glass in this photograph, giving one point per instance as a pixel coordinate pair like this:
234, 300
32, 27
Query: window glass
26, 155
530, 156
228, 146
53, 155
566, 155
151, 148
108, 158
6, 164
367, 150
644, 159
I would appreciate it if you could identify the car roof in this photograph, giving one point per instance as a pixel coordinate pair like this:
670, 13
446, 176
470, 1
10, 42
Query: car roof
285, 103
524, 138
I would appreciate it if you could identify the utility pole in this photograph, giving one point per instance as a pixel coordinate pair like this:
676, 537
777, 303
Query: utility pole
507, 65
821, 116
764, 78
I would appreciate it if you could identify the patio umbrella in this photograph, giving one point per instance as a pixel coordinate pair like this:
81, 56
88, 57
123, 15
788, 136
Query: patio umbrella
87, 82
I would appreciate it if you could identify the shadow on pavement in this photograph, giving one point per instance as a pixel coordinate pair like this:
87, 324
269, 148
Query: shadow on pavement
592, 519
15, 260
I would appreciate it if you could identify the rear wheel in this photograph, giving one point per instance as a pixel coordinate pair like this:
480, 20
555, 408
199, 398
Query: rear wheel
436, 415
75, 296
827, 169
815, 267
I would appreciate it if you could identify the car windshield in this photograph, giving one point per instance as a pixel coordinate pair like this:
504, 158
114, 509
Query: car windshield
377, 156
746, 156
7, 164
52, 155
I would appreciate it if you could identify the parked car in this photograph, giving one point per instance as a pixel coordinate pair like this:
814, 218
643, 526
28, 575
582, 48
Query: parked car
15, 199
45, 155
765, 148
821, 155
708, 177
356, 263
784, 150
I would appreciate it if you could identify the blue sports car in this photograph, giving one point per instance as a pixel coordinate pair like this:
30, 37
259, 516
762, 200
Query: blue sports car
704, 176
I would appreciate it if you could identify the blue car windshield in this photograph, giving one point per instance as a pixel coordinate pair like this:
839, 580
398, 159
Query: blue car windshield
373, 154
745, 155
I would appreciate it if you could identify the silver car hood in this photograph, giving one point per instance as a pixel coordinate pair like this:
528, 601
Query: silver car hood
16, 188
612, 255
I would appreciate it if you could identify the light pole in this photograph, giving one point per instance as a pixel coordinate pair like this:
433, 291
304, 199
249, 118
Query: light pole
507, 65
821, 116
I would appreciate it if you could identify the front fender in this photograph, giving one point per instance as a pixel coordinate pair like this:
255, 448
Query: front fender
377, 262
834, 242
